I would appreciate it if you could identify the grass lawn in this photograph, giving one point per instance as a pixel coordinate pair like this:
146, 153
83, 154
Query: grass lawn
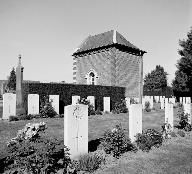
173, 157
97, 126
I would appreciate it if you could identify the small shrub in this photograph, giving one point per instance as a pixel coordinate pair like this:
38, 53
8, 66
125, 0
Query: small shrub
166, 130
173, 134
25, 117
36, 154
183, 119
91, 109
89, 162
115, 142
133, 101
181, 133
120, 107
98, 112
13, 118
148, 139
47, 110
147, 106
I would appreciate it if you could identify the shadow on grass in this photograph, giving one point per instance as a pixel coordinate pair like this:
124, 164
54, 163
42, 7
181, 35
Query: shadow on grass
93, 144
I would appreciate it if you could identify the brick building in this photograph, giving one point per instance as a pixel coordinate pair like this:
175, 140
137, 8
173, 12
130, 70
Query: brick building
108, 59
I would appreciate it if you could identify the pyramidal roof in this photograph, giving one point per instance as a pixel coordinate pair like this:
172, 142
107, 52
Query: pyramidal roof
104, 39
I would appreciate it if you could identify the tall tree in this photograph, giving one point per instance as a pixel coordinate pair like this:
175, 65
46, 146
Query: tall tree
155, 80
183, 75
11, 85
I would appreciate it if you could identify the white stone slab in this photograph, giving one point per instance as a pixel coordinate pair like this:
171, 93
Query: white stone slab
106, 102
162, 101
33, 104
166, 101
156, 99
172, 100
169, 114
187, 110
128, 102
55, 102
91, 99
135, 121
76, 129
188, 100
75, 99
9, 105
183, 100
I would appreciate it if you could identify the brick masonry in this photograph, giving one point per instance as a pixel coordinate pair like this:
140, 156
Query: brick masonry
114, 67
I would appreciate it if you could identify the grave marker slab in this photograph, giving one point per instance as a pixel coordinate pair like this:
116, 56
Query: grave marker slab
162, 101
128, 102
106, 102
9, 105
169, 114
188, 100
76, 129
33, 104
75, 99
91, 100
135, 121
55, 102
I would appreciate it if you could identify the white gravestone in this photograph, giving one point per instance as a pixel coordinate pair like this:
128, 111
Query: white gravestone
106, 102
54, 102
166, 101
91, 99
76, 129
128, 102
33, 104
183, 100
172, 100
169, 114
135, 121
188, 100
156, 99
187, 110
75, 99
162, 101
9, 105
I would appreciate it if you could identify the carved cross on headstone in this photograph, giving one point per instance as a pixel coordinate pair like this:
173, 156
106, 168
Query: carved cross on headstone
78, 115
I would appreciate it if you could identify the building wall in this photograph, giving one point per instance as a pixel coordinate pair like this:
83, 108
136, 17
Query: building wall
128, 72
114, 68
100, 61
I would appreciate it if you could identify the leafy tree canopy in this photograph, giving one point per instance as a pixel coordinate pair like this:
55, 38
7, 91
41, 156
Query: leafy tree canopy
183, 75
156, 79
11, 85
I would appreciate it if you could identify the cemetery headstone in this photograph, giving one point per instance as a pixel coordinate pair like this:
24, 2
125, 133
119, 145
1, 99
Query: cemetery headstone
162, 101
91, 99
9, 105
75, 99
55, 102
188, 100
128, 102
76, 129
135, 121
169, 114
33, 104
106, 104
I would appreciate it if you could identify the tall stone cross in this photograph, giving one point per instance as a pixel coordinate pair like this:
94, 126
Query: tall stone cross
19, 81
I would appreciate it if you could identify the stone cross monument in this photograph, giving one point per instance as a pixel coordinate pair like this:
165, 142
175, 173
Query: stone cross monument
19, 81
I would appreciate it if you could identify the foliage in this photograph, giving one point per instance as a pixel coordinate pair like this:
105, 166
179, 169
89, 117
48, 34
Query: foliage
181, 133
91, 109
183, 119
37, 155
183, 75
46, 109
166, 130
155, 80
147, 106
115, 142
13, 118
148, 139
11, 85
120, 107
89, 162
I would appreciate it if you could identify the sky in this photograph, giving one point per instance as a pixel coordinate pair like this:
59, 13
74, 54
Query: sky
47, 32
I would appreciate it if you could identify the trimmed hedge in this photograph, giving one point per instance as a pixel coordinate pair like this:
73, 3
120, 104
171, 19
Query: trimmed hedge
66, 91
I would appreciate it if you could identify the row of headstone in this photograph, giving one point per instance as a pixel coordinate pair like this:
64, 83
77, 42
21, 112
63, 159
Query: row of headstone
9, 103
185, 100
